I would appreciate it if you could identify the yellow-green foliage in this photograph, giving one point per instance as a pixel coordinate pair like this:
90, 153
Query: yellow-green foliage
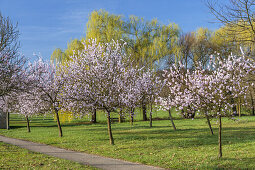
72, 48
65, 116
147, 41
58, 55
104, 26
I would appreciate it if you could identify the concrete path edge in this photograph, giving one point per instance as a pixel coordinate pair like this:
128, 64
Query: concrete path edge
83, 158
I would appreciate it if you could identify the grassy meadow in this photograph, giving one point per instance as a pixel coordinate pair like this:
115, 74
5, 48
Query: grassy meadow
190, 147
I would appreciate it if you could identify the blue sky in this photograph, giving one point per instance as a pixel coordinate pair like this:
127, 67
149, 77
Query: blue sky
48, 24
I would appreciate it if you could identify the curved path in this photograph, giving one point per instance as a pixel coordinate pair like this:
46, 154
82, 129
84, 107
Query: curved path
83, 158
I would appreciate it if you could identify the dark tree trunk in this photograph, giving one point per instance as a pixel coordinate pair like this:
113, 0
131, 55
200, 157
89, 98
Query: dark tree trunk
121, 118
132, 110
239, 107
59, 126
172, 121
151, 116
28, 126
234, 108
183, 113
219, 137
209, 123
8, 121
94, 116
144, 112
109, 128
193, 114
252, 105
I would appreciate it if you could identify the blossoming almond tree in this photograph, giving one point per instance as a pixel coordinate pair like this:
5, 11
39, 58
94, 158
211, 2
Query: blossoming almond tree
150, 87
12, 74
175, 92
99, 76
225, 83
43, 92
211, 89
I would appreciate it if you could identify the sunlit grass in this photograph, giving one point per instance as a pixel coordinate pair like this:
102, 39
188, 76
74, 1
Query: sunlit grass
191, 146
13, 157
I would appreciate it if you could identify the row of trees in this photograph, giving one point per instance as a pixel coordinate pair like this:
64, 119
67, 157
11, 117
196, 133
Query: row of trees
103, 77
149, 41
114, 75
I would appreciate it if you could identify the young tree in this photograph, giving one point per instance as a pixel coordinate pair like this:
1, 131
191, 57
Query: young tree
211, 89
24, 103
99, 76
43, 95
150, 87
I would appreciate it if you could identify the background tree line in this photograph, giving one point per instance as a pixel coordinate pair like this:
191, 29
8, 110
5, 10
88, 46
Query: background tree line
149, 41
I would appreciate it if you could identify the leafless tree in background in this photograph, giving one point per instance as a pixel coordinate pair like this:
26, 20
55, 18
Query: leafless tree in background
8, 36
238, 16
12, 72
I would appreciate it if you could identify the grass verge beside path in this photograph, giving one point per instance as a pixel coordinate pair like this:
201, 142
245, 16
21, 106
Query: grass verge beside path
13, 157
190, 147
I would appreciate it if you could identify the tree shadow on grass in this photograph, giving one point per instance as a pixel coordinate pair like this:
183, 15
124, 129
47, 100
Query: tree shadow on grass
227, 163
190, 137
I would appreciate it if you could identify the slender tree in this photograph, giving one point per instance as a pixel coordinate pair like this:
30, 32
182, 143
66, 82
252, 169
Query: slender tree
44, 91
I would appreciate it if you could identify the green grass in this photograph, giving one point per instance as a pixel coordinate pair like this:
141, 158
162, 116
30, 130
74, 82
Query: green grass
190, 147
13, 157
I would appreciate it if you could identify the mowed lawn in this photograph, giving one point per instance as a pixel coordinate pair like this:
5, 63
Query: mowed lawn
191, 146
13, 157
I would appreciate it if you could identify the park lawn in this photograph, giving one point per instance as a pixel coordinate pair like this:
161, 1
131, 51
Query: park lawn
191, 146
13, 157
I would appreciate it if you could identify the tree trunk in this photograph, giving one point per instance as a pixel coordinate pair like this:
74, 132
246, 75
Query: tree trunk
8, 121
121, 119
109, 128
151, 116
252, 105
59, 126
209, 123
94, 116
28, 126
234, 108
144, 112
183, 114
219, 138
132, 116
172, 121
239, 107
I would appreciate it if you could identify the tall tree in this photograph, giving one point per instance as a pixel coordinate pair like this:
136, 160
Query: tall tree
209, 89
58, 56
237, 16
11, 63
99, 77
44, 94
8, 36
148, 41
104, 27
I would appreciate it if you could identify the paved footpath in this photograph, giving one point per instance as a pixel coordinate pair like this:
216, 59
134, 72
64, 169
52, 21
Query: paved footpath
83, 158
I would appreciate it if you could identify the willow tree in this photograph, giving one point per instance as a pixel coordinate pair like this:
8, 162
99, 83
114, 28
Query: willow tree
147, 41
104, 27
58, 55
